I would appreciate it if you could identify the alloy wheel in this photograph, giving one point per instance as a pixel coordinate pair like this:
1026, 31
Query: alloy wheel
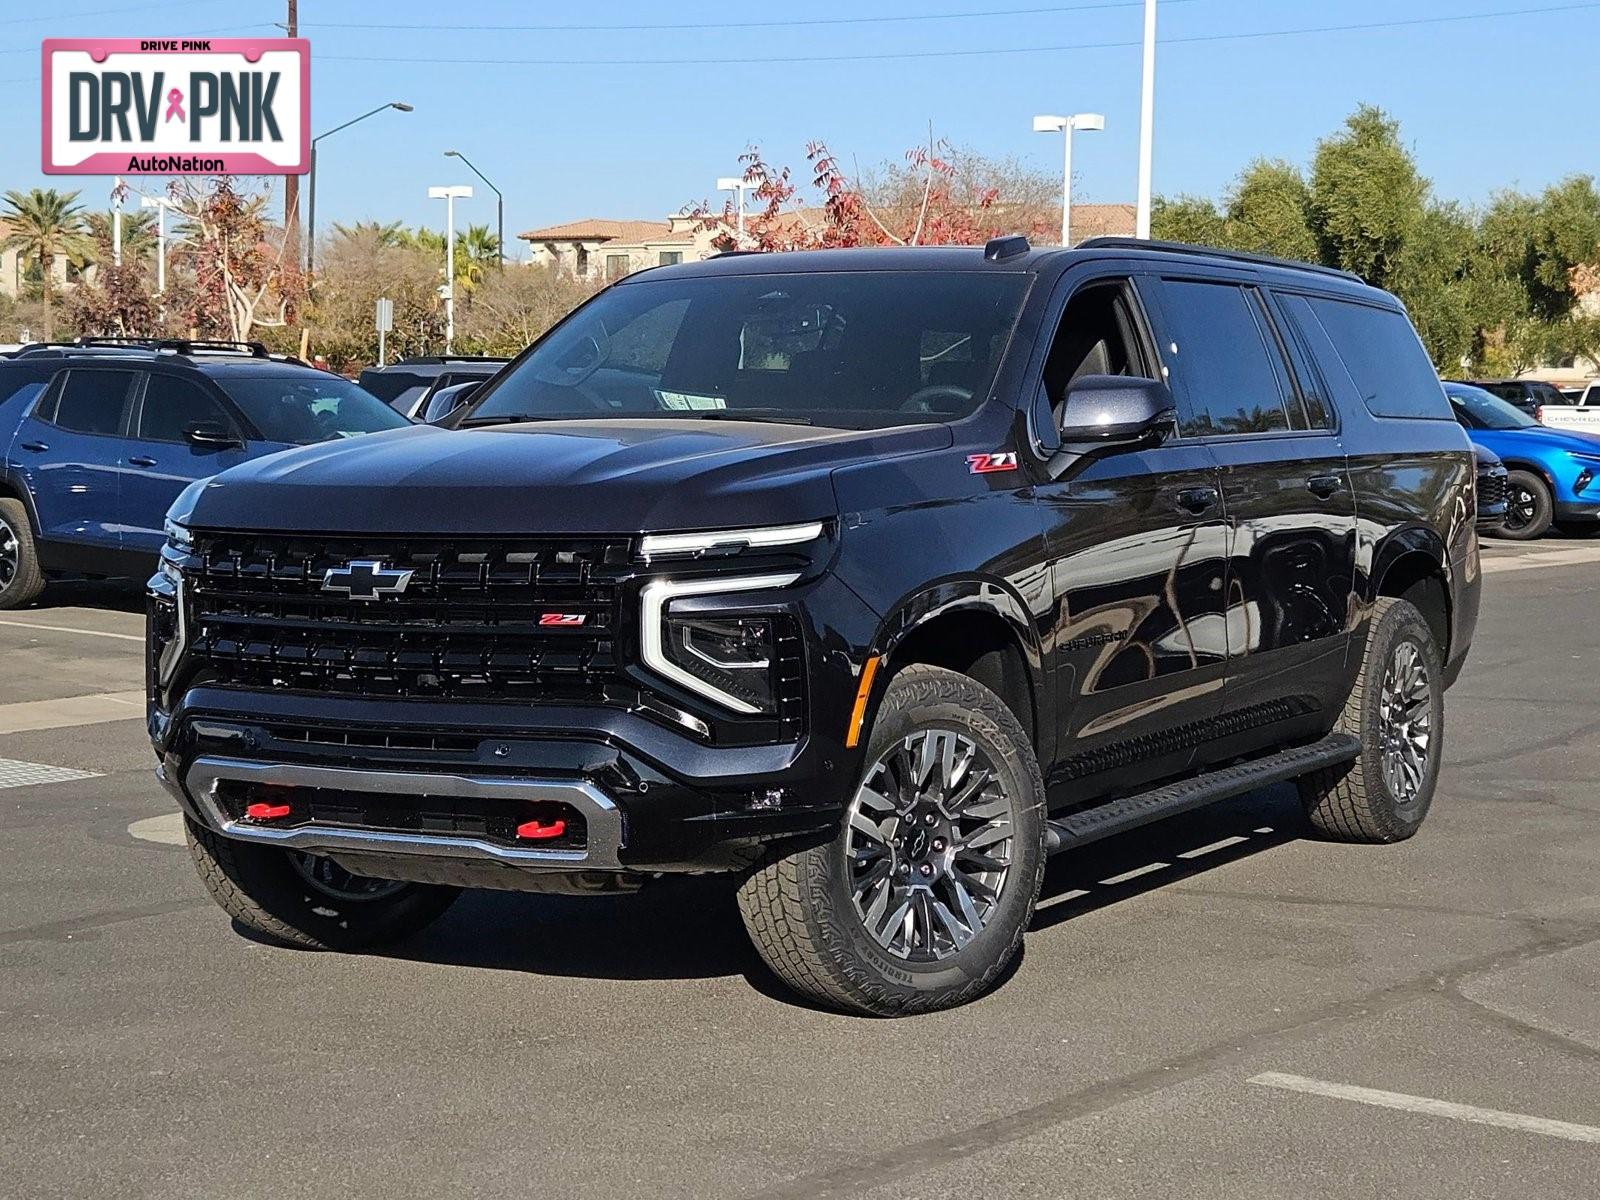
929, 845
1523, 506
10, 555
1406, 710
333, 881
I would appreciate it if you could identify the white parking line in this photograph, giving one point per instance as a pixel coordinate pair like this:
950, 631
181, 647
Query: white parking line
1429, 1107
121, 637
165, 830
1202, 851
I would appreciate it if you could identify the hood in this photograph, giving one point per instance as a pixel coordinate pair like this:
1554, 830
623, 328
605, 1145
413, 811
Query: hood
1533, 439
603, 476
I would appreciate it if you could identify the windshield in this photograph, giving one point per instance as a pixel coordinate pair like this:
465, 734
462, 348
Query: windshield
1485, 411
302, 407
844, 349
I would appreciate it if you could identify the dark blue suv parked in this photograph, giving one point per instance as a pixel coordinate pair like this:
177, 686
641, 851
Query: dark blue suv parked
97, 439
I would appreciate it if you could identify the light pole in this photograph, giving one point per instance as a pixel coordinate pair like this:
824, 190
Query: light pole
1066, 126
311, 215
499, 203
160, 204
730, 184
1147, 121
450, 195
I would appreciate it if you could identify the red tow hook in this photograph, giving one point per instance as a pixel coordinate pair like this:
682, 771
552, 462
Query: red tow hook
538, 831
262, 811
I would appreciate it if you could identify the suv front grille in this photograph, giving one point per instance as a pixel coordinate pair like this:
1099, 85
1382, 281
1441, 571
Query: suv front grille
1491, 487
467, 624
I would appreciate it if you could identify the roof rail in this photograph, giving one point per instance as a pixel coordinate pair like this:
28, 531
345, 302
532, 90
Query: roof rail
1261, 260
187, 346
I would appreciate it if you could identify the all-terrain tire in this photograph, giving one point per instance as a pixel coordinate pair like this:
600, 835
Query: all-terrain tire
1532, 520
798, 907
1356, 802
260, 887
21, 578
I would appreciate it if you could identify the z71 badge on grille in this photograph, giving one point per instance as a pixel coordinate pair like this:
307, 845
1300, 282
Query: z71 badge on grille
366, 580
563, 619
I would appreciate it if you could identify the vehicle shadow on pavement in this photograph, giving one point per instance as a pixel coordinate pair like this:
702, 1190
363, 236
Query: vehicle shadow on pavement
643, 935
685, 928
1168, 852
115, 595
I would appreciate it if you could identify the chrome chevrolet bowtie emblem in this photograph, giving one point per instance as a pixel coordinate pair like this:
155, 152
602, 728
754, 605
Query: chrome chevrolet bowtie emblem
365, 580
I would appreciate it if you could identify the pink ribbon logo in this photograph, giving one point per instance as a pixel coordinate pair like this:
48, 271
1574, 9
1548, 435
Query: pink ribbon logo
175, 105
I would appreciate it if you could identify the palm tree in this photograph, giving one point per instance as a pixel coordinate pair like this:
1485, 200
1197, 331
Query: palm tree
479, 251
384, 234
44, 225
138, 234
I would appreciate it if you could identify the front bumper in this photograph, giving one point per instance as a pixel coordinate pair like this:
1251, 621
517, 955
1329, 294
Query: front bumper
1577, 510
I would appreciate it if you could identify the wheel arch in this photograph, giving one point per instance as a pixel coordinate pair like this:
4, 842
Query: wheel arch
980, 628
1412, 565
14, 487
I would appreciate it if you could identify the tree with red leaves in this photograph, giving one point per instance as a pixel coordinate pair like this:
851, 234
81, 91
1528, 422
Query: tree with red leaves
939, 196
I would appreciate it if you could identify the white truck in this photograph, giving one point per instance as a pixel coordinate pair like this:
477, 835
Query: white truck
1584, 415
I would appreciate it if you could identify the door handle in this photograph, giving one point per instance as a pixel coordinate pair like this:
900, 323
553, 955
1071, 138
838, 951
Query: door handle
141, 460
36, 447
1197, 499
1323, 486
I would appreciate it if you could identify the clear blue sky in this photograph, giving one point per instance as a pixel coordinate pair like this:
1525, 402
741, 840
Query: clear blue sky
604, 124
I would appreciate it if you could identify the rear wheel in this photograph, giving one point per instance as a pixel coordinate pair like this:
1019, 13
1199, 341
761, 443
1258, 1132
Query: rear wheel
309, 901
1396, 709
21, 579
920, 901
1529, 507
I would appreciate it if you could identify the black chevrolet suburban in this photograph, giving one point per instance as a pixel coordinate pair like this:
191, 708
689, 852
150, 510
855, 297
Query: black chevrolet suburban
869, 577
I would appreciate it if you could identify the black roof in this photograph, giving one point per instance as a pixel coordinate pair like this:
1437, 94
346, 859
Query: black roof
239, 358
1008, 255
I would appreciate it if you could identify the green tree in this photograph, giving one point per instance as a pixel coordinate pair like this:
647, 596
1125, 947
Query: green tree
45, 225
1366, 197
1189, 219
1267, 212
477, 252
387, 233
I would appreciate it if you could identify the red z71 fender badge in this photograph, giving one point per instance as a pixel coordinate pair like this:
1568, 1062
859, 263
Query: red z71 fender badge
987, 464
563, 618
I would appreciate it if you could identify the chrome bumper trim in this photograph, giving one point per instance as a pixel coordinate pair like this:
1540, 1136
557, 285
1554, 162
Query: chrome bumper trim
602, 818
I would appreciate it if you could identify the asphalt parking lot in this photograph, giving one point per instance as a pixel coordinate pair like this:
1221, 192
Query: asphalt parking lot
1216, 1006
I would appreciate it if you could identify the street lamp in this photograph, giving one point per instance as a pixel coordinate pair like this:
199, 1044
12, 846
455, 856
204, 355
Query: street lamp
311, 216
1066, 126
160, 204
1147, 121
499, 203
729, 183
450, 195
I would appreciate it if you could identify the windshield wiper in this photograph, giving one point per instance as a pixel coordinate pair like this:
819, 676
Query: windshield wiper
503, 419
739, 414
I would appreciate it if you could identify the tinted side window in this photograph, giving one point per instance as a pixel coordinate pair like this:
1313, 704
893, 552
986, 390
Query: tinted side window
1382, 355
171, 406
1224, 359
92, 401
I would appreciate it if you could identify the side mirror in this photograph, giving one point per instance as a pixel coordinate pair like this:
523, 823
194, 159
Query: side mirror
446, 400
1107, 413
211, 435
1115, 410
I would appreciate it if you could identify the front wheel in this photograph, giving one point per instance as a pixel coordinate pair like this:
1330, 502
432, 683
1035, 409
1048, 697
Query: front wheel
21, 579
1529, 507
920, 901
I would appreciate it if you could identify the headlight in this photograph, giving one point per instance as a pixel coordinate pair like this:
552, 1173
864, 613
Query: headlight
727, 541
731, 659
177, 535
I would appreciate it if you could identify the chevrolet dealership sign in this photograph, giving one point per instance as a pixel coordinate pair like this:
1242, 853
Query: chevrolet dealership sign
169, 106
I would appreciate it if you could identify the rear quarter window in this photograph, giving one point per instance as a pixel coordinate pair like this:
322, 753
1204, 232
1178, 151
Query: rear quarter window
1381, 354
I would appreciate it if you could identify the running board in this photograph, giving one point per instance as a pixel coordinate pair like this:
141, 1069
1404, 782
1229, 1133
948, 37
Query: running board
1130, 812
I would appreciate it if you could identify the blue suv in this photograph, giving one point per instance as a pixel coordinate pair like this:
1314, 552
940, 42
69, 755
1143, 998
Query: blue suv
1553, 475
98, 438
